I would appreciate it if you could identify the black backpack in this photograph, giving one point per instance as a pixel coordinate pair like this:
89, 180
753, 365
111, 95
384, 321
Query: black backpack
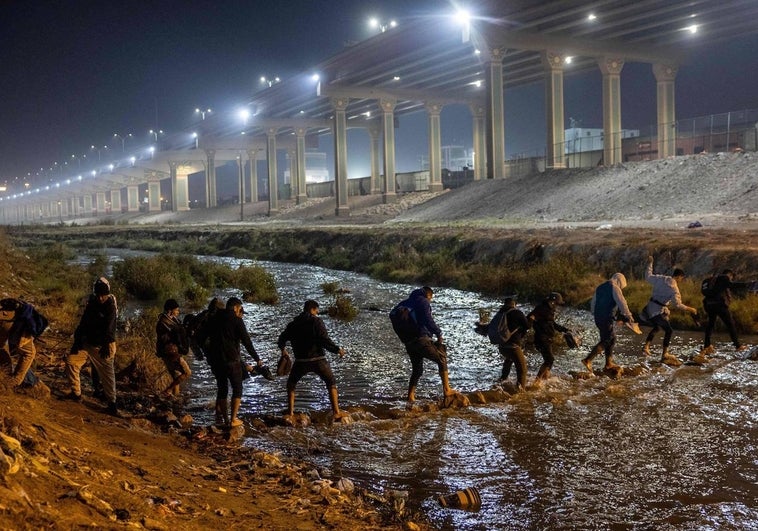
708, 287
497, 330
404, 323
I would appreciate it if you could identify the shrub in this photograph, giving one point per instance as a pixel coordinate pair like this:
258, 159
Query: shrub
342, 308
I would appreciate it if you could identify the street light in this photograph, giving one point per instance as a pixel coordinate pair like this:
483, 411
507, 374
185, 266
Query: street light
123, 140
99, 150
382, 26
270, 81
197, 138
202, 112
155, 133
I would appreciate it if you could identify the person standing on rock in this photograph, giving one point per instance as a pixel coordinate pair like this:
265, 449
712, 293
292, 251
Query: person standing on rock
224, 333
542, 319
171, 345
95, 341
421, 345
309, 338
716, 299
606, 301
665, 293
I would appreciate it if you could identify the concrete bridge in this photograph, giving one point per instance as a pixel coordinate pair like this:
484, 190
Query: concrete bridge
420, 66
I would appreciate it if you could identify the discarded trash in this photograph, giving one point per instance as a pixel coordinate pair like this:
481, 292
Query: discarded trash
468, 499
694, 225
604, 226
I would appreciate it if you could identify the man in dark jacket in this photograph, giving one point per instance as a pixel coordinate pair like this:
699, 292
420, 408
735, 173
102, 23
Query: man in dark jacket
171, 345
542, 319
95, 341
716, 304
423, 346
16, 332
224, 332
512, 350
309, 338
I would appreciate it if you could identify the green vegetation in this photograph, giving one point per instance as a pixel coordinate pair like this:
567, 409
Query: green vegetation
342, 308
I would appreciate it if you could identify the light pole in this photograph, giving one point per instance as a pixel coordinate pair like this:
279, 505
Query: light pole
203, 112
123, 140
382, 26
99, 150
270, 81
197, 139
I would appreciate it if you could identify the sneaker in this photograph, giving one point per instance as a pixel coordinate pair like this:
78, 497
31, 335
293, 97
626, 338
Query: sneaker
671, 360
113, 410
700, 358
646, 349
71, 396
741, 348
235, 423
707, 351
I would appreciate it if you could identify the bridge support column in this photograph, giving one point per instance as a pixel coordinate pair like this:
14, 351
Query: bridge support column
301, 188
153, 194
132, 198
664, 77
87, 199
553, 63
495, 138
478, 137
273, 185
374, 130
433, 110
340, 155
388, 145
252, 157
116, 201
611, 70
100, 207
211, 199
179, 188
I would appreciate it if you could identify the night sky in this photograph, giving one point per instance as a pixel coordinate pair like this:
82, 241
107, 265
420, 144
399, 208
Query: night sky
73, 73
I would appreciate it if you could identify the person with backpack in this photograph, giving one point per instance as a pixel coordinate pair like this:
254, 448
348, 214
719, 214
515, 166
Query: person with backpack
309, 339
665, 293
717, 295
609, 305
171, 345
20, 324
542, 320
95, 341
507, 330
224, 333
416, 333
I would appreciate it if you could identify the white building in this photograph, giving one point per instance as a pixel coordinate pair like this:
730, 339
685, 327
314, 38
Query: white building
583, 139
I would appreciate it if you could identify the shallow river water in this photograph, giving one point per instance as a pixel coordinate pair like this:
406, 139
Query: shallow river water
667, 449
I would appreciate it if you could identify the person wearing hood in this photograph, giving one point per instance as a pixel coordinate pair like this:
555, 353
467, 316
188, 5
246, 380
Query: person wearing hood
171, 345
309, 338
95, 341
423, 346
716, 303
665, 294
16, 333
542, 320
606, 301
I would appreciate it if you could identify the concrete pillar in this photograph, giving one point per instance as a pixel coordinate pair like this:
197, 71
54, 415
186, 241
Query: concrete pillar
388, 145
555, 144
611, 70
301, 189
211, 198
374, 130
665, 95
132, 198
87, 199
100, 203
153, 194
339, 130
292, 157
273, 187
433, 110
116, 201
179, 188
495, 138
252, 157
480, 148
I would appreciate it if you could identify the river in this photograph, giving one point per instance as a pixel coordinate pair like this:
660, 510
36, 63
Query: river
667, 449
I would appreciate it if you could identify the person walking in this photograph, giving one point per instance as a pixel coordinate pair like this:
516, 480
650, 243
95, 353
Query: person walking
606, 301
309, 338
224, 333
171, 345
420, 345
717, 296
95, 341
542, 320
17, 338
511, 344
665, 293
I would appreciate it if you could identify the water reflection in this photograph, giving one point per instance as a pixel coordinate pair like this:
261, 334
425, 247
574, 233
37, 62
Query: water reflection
668, 449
